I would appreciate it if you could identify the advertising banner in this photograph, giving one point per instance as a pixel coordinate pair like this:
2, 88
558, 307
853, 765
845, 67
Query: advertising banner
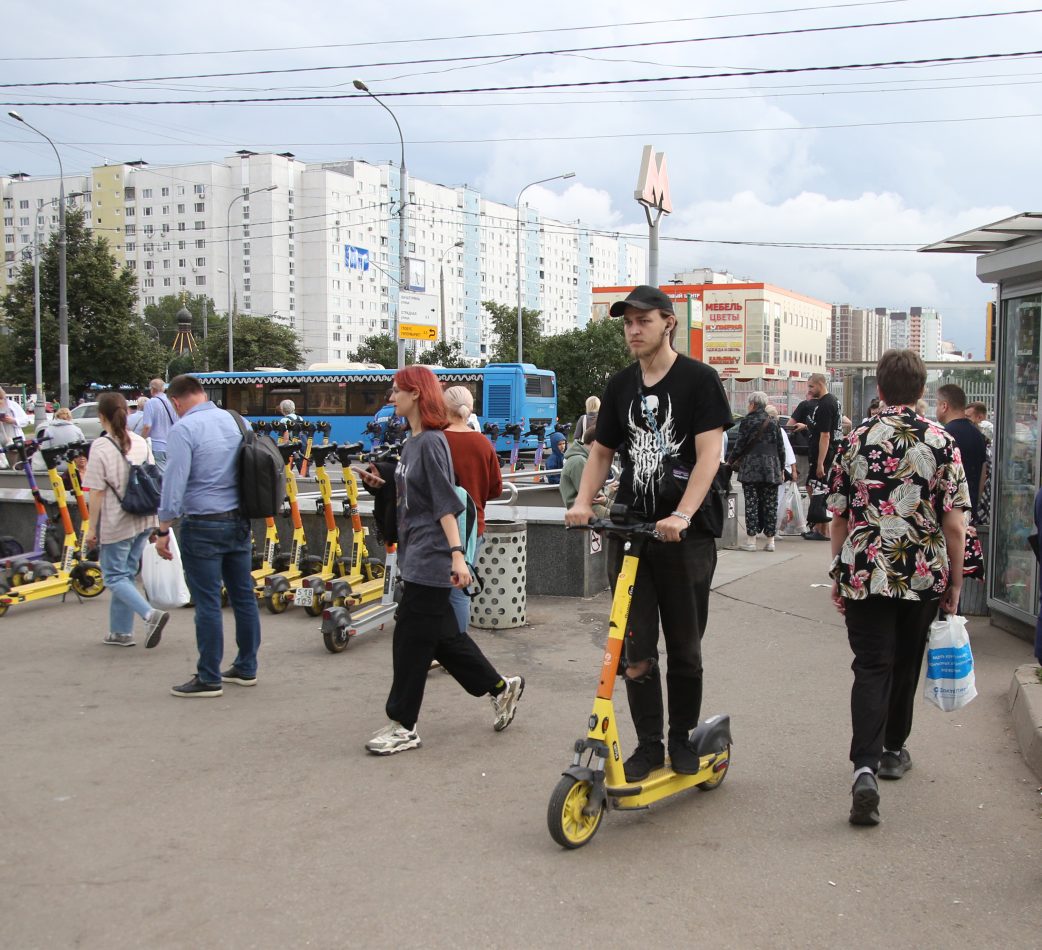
356, 258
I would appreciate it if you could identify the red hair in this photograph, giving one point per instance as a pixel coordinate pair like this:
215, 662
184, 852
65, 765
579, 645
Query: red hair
419, 379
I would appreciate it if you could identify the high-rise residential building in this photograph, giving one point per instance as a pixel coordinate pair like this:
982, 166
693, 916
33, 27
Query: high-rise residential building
316, 246
858, 334
926, 332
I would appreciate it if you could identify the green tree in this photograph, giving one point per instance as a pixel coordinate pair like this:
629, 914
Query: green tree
504, 327
108, 342
379, 349
259, 341
583, 360
444, 353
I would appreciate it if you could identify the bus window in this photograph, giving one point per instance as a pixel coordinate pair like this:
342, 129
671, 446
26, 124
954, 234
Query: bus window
215, 394
363, 399
275, 394
247, 399
325, 399
477, 392
539, 386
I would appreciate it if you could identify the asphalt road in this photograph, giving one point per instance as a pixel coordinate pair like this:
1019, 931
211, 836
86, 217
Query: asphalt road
130, 818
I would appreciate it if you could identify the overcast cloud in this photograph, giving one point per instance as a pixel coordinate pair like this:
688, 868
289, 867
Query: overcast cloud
909, 183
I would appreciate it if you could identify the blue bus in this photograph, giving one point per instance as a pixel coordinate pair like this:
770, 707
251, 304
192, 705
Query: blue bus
349, 398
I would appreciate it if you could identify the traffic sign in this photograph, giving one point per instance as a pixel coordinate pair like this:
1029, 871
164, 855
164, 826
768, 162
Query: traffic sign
416, 331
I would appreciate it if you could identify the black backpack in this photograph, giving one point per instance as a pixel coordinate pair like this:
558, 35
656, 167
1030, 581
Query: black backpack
262, 475
144, 487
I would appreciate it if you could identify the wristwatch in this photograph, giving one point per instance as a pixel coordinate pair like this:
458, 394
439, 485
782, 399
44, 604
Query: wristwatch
457, 547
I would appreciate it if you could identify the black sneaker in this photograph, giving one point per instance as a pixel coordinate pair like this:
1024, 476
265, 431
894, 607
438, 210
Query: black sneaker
683, 759
865, 807
814, 535
647, 757
233, 675
892, 765
195, 687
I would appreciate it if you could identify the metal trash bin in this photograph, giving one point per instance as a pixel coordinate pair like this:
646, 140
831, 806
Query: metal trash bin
729, 539
503, 565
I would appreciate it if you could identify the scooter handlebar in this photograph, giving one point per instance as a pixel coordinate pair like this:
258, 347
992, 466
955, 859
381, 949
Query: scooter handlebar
636, 529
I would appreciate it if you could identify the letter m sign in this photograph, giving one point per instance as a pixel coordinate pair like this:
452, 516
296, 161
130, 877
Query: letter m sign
653, 183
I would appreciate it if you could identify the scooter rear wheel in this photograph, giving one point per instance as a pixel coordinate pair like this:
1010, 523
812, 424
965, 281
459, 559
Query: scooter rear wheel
569, 827
709, 784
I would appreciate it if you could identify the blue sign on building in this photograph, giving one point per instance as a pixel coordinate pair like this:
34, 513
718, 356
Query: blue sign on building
356, 257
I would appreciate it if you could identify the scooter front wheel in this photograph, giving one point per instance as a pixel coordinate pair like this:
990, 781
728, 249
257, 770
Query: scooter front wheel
568, 825
709, 784
86, 580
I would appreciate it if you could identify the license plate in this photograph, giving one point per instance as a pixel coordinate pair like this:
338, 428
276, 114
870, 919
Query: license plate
304, 597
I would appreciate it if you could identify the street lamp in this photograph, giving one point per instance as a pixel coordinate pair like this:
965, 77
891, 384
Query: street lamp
63, 300
441, 288
541, 181
403, 200
228, 238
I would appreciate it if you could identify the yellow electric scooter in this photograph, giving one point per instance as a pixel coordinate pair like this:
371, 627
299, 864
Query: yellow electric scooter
596, 773
83, 578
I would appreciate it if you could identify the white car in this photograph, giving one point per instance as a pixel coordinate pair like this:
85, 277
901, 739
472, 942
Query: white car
86, 417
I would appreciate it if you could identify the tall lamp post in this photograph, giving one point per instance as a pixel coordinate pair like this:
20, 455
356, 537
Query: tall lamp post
63, 300
228, 238
541, 181
441, 288
403, 201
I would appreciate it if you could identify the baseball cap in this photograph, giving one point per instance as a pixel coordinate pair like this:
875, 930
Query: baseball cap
643, 297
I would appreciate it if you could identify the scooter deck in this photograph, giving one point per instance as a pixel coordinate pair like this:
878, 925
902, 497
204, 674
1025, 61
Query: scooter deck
371, 617
662, 783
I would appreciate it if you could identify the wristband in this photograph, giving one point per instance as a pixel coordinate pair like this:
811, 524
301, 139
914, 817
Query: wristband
457, 547
680, 514
162, 533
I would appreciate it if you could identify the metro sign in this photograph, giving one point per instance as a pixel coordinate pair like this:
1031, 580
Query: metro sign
653, 181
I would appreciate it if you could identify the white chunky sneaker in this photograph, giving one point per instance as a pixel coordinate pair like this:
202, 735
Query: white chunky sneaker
394, 737
505, 704
769, 546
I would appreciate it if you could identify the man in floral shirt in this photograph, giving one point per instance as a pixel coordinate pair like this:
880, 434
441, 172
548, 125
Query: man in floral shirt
899, 494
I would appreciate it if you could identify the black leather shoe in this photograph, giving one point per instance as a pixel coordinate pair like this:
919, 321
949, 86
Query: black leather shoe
196, 688
647, 757
865, 807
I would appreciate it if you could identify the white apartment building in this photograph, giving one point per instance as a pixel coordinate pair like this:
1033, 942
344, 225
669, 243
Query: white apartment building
857, 334
316, 246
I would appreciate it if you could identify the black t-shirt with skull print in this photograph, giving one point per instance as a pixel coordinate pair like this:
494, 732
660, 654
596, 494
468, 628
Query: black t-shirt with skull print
688, 400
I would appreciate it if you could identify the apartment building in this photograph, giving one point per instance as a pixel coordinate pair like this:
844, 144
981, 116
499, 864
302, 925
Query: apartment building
316, 246
857, 334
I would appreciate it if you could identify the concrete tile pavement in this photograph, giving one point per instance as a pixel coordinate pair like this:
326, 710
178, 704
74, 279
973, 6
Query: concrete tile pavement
132, 818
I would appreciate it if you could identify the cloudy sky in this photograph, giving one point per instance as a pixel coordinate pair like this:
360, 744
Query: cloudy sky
888, 156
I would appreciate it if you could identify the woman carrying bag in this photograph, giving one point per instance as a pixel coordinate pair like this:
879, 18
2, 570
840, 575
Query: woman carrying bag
759, 457
431, 563
122, 535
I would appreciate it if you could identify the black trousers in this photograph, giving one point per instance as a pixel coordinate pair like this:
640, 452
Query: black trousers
427, 630
672, 585
761, 508
888, 637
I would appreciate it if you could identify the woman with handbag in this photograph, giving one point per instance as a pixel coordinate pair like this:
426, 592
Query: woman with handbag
122, 535
759, 458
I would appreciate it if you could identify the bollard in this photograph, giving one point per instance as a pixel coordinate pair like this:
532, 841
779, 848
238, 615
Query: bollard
729, 539
502, 565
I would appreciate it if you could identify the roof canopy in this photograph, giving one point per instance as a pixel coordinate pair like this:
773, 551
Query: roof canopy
990, 237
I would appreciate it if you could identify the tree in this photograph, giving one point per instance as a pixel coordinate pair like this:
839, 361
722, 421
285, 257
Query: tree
259, 341
504, 328
444, 353
380, 349
108, 342
583, 360
162, 318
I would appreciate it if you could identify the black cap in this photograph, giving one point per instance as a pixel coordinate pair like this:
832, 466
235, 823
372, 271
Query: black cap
643, 297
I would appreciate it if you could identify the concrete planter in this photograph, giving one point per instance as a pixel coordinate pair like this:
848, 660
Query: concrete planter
1025, 703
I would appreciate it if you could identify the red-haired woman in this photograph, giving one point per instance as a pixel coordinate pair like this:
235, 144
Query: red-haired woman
431, 563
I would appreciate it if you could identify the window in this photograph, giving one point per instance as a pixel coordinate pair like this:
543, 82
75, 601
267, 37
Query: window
200, 243
200, 262
166, 209
245, 213
147, 212
23, 222
129, 246
200, 189
200, 207
166, 281
164, 193
245, 247
181, 226
180, 245
181, 262
23, 204
146, 192
130, 212
180, 209
200, 225
166, 264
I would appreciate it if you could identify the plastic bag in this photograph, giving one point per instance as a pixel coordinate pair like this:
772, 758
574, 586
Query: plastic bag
790, 510
950, 682
164, 580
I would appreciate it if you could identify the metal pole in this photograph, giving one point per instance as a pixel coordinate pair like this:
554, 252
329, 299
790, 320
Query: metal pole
231, 321
441, 294
653, 245
403, 250
206, 355
40, 412
63, 295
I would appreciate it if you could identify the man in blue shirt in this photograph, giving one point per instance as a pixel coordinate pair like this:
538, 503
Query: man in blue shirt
158, 420
201, 486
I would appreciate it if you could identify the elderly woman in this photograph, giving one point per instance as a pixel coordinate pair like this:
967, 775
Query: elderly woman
758, 456
899, 495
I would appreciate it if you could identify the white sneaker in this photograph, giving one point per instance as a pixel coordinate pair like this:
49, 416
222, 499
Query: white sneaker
394, 737
749, 544
769, 546
505, 704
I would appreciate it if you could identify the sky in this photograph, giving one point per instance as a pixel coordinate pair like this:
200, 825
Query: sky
887, 157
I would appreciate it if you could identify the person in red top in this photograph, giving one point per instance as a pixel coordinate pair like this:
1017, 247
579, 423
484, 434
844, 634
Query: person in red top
477, 471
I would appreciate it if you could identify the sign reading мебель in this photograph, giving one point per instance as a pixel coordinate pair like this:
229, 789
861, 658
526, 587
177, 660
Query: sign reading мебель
417, 316
356, 258
724, 339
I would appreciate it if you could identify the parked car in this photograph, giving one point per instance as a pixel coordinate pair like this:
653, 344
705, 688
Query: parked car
85, 416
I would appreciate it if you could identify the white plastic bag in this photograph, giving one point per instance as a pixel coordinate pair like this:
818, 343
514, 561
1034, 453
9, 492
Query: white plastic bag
790, 510
950, 683
164, 580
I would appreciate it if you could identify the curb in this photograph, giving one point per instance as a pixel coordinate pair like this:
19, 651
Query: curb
1025, 703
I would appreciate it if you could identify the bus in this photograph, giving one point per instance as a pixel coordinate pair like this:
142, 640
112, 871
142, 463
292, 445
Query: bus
349, 398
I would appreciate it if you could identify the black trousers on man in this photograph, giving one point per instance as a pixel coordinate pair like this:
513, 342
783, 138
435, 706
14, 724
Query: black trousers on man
427, 630
673, 582
888, 637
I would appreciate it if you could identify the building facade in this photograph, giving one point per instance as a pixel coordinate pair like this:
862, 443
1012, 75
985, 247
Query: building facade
316, 246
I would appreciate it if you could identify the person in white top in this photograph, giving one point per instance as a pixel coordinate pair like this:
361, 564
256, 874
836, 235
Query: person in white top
136, 420
12, 420
799, 524
122, 535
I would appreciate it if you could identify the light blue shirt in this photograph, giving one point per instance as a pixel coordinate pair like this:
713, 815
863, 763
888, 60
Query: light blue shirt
160, 417
202, 466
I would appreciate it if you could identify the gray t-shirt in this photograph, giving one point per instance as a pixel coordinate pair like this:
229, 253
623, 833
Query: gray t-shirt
426, 493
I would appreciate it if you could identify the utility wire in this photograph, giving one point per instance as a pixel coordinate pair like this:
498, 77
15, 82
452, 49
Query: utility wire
526, 54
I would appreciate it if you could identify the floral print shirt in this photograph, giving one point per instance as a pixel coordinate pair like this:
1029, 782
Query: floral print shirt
893, 479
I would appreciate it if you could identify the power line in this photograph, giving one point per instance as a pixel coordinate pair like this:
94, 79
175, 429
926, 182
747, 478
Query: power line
790, 70
525, 54
441, 39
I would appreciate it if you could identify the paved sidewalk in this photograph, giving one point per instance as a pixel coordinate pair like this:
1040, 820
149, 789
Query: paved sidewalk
130, 818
